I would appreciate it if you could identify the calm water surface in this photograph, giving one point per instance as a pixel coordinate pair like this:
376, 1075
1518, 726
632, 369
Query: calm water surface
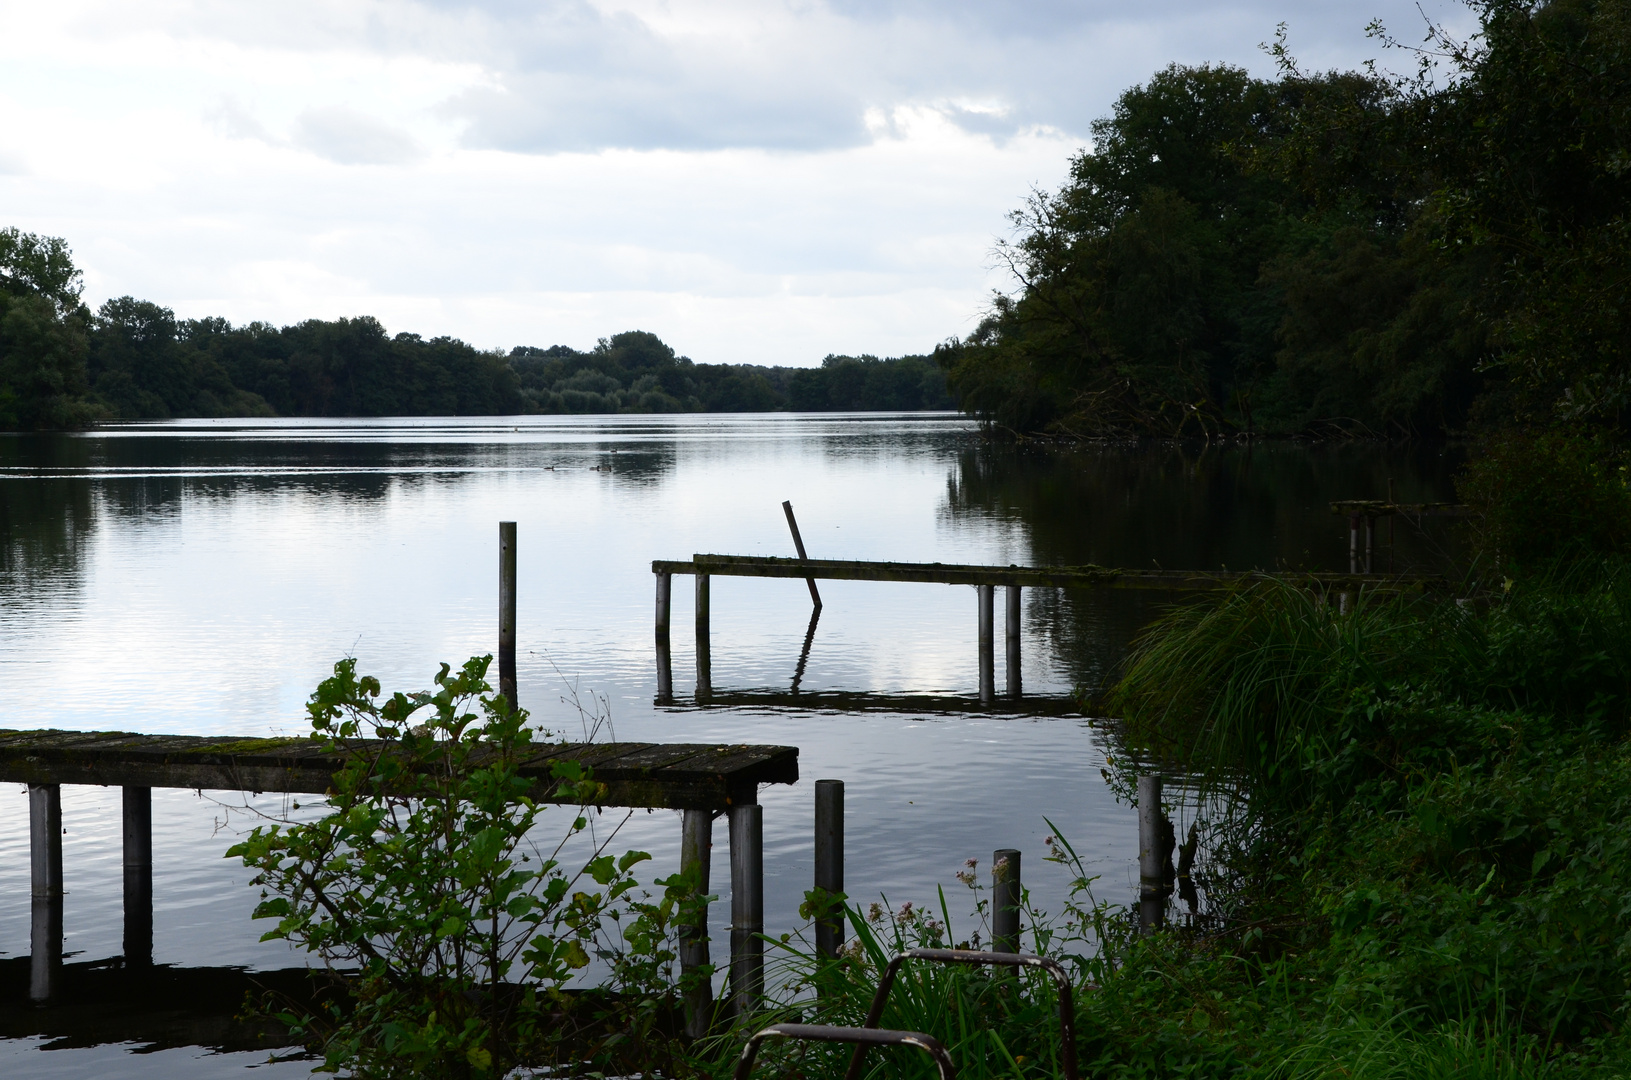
202, 577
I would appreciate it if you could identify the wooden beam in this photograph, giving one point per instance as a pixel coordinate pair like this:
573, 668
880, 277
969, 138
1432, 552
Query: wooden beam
1063, 577
682, 776
1385, 508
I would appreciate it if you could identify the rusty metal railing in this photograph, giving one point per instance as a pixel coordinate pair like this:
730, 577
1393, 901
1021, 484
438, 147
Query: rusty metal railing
1067, 1003
861, 1037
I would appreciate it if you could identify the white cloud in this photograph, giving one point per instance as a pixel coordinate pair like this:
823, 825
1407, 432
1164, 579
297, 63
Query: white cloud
753, 179
348, 137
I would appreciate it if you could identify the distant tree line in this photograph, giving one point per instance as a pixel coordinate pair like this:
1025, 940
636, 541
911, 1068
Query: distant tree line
1346, 252
62, 366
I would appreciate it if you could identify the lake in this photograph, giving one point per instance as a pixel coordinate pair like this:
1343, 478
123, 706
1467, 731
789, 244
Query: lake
203, 576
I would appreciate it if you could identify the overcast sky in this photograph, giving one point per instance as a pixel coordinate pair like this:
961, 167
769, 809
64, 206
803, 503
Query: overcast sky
757, 182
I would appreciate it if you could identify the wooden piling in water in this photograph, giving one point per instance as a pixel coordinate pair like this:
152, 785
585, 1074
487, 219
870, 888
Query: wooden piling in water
506, 612
829, 861
1005, 900
696, 847
45, 879
705, 677
798, 545
988, 675
1151, 840
1012, 628
747, 970
665, 666
138, 829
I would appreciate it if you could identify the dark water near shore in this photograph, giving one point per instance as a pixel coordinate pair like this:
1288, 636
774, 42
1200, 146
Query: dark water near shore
202, 577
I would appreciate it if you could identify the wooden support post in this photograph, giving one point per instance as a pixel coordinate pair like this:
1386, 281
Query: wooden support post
747, 907
798, 545
1013, 640
705, 676
1151, 891
138, 806
696, 847
45, 873
1005, 900
988, 675
506, 612
1370, 543
829, 861
665, 665
1353, 543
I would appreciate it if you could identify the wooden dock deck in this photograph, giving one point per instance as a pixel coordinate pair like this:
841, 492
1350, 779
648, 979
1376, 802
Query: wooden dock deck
986, 580
700, 780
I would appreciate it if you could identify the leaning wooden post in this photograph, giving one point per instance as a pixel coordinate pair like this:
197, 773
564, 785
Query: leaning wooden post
1005, 900
1151, 894
506, 612
1012, 628
829, 862
696, 846
988, 676
747, 907
665, 666
705, 677
138, 814
45, 873
798, 545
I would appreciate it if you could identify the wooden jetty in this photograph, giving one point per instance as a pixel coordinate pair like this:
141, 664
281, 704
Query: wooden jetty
700, 780
985, 579
1366, 511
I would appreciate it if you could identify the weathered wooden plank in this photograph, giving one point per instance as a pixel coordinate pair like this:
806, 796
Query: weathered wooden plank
1066, 577
1384, 508
679, 775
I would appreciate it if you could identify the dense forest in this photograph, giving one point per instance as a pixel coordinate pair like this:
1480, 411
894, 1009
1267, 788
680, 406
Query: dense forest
63, 366
1349, 252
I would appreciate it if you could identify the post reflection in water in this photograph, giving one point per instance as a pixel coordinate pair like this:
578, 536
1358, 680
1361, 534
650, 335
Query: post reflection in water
202, 577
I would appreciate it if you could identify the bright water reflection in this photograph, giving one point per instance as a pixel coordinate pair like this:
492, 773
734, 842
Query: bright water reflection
201, 577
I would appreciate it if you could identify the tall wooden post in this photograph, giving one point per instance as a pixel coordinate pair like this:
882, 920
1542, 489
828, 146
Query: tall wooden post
665, 666
1151, 890
45, 874
1353, 543
798, 545
705, 676
1012, 627
138, 815
747, 907
1005, 900
988, 675
1370, 543
696, 846
506, 612
829, 861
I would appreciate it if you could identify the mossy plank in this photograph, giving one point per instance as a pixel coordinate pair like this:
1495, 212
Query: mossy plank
682, 775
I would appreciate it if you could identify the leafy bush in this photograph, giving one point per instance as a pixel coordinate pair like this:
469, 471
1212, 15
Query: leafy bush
424, 874
1543, 496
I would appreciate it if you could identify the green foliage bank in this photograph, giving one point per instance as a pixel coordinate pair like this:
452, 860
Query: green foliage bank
63, 366
1347, 252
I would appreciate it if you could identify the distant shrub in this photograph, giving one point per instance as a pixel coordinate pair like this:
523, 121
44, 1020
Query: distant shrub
1543, 496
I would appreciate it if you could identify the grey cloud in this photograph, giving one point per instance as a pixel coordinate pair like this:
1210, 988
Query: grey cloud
347, 137
233, 120
566, 75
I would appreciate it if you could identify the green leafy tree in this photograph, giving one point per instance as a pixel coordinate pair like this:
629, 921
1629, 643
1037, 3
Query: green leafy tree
44, 335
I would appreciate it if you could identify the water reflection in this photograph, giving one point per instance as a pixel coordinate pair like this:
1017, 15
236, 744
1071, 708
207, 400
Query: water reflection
203, 577
1191, 507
